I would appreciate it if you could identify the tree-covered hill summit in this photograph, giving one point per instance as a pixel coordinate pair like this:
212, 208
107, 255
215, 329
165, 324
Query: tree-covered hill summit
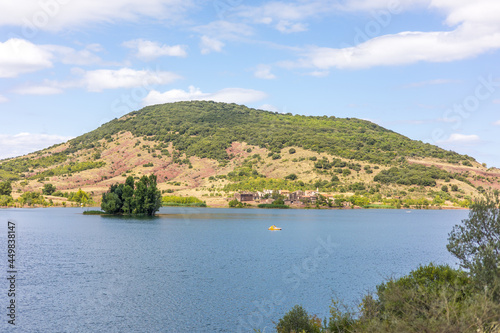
206, 129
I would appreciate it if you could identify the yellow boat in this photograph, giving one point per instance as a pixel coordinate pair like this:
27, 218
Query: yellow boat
273, 227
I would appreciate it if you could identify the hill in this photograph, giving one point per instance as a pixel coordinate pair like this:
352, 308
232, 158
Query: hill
210, 150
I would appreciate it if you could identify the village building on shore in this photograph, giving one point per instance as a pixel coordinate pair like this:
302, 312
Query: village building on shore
295, 199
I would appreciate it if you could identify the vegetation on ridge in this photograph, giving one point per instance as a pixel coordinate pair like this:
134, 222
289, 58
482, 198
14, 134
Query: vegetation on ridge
206, 129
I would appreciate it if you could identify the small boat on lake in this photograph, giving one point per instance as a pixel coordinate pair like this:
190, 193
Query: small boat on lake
273, 227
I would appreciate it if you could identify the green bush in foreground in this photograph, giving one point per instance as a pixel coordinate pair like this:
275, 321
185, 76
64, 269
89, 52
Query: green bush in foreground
432, 298
298, 320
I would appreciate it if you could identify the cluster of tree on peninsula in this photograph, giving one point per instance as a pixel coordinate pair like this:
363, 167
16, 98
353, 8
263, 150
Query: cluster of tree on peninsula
133, 198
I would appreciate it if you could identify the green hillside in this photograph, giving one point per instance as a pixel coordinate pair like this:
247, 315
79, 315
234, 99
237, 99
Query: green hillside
206, 129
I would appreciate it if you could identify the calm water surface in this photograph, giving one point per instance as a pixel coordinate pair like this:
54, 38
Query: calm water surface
206, 270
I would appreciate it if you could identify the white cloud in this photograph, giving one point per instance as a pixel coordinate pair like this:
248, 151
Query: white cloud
224, 30
477, 30
497, 123
462, 139
70, 56
430, 83
288, 16
18, 56
264, 72
277, 11
496, 101
102, 79
38, 90
208, 45
3, 99
34, 15
227, 95
148, 50
24, 143
98, 80
289, 27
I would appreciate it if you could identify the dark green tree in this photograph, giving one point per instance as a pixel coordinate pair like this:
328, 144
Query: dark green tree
142, 198
48, 189
476, 242
5, 188
111, 203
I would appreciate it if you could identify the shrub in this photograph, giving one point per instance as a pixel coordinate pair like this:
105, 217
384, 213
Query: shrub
48, 189
5, 188
298, 320
235, 204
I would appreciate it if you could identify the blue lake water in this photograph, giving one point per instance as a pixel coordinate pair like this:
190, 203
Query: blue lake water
206, 270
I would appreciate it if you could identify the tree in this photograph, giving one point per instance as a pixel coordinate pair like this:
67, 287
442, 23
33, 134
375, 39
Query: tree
81, 196
111, 203
444, 188
48, 189
5, 188
291, 176
297, 320
476, 242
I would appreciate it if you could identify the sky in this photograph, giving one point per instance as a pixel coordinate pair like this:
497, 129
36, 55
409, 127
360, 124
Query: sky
428, 69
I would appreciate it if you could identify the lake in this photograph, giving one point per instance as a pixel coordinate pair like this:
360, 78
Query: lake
206, 270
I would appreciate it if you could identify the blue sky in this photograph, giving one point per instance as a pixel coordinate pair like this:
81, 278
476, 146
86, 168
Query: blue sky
428, 69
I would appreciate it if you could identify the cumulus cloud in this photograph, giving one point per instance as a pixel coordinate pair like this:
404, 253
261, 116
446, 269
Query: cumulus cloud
285, 16
208, 45
3, 99
33, 15
24, 143
476, 31
497, 123
18, 56
227, 95
224, 30
462, 139
264, 72
70, 56
101, 79
290, 27
148, 50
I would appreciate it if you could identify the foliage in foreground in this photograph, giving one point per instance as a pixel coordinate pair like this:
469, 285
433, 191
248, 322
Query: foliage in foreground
431, 298
141, 198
